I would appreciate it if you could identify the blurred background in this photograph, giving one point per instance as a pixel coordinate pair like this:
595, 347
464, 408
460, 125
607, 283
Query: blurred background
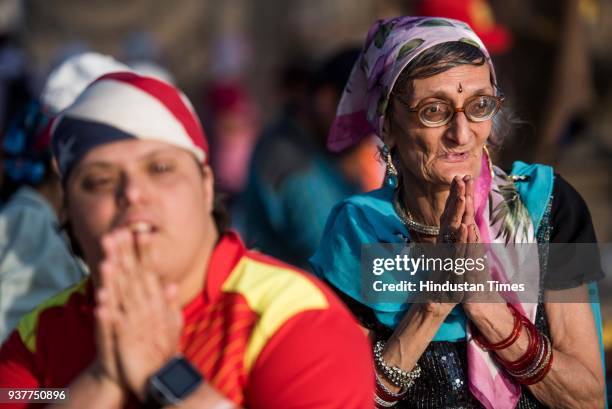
265, 77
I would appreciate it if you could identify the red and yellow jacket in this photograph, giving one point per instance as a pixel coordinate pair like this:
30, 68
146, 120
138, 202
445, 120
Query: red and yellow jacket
263, 333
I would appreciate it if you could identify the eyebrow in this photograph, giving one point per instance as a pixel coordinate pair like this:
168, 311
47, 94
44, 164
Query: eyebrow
446, 95
109, 165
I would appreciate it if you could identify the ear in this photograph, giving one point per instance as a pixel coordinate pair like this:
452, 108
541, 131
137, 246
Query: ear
62, 215
55, 167
387, 136
208, 186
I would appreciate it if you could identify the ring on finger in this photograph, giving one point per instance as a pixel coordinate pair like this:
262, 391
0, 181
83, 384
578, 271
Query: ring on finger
476, 232
449, 237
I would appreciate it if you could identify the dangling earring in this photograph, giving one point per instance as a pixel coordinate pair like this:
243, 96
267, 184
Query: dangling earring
390, 172
486, 152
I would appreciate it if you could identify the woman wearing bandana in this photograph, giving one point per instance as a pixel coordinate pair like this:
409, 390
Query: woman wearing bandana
427, 88
176, 311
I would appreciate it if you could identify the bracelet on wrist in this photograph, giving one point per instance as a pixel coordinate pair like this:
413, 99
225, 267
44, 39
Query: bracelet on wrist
542, 368
397, 376
381, 403
505, 343
532, 349
384, 393
536, 362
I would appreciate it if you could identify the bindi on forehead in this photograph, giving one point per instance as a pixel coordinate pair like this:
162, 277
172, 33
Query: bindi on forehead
468, 79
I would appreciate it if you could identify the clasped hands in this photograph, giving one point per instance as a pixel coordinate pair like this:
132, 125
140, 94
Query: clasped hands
459, 238
138, 318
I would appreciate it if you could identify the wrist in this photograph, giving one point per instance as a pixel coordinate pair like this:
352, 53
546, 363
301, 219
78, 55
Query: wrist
486, 314
172, 384
107, 386
436, 312
398, 376
397, 354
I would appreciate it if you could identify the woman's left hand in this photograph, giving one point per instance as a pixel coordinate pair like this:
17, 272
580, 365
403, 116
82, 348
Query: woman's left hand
474, 250
148, 318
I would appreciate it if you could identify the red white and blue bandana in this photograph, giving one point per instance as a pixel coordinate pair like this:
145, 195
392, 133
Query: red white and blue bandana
125, 105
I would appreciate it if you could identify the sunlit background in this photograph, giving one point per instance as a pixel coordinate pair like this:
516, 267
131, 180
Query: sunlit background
241, 61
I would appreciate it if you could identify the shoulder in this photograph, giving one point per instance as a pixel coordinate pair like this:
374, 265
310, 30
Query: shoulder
543, 177
374, 198
26, 203
26, 197
366, 218
28, 326
296, 311
543, 189
279, 293
534, 182
269, 284
565, 195
363, 218
570, 218
367, 210
25, 218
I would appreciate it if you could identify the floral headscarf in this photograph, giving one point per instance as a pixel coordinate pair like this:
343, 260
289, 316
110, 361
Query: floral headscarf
390, 45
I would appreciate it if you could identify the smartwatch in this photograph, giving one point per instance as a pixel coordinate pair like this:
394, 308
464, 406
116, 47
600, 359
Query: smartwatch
172, 383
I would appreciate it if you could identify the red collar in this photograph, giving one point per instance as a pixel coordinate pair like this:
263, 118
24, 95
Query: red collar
226, 254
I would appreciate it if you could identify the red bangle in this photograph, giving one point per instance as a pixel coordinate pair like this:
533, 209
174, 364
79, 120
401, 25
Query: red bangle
503, 344
385, 394
527, 358
541, 373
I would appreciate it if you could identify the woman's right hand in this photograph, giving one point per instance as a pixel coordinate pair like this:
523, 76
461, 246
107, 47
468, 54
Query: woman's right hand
422, 321
105, 369
450, 242
452, 228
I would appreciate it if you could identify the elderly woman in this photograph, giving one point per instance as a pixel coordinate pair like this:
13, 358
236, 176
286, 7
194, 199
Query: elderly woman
428, 88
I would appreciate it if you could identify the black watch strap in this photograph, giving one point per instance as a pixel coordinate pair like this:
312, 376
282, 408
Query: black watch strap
172, 384
151, 403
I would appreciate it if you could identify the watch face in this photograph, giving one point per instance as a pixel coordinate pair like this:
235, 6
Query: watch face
179, 378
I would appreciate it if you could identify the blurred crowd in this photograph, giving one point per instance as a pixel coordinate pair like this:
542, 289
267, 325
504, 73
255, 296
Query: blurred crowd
259, 101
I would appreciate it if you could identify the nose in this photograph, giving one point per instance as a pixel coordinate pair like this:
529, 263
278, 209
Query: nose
459, 131
132, 190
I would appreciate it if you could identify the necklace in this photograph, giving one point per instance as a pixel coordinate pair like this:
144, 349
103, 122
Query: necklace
410, 224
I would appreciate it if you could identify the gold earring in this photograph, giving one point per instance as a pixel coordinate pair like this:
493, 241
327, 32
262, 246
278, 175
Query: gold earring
391, 171
486, 151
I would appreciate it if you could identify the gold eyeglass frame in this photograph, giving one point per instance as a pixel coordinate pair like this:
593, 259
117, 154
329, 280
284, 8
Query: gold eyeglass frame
498, 103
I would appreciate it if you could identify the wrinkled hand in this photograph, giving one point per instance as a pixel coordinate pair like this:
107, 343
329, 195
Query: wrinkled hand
140, 320
475, 249
452, 227
453, 233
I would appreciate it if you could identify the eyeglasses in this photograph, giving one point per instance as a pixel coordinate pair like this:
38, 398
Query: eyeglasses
478, 108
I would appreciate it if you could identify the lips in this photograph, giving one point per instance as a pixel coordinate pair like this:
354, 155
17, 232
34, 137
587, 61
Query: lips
456, 156
138, 226
141, 227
